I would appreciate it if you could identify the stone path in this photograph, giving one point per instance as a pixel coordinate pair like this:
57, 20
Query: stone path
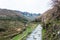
36, 34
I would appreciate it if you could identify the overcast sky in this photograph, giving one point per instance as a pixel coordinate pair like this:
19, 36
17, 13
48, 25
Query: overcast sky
32, 6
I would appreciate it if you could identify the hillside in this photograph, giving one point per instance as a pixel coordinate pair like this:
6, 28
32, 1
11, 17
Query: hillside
51, 22
13, 22
10, 14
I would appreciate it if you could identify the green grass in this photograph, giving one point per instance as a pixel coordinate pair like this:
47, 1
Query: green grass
43, 33
28, 30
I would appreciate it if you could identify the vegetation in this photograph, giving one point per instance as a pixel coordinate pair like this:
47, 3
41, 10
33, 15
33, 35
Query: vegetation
43, 33
9, 28
24, 34
51, 22
13, 24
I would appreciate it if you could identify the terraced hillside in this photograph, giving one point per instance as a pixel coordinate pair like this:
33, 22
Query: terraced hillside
13, 23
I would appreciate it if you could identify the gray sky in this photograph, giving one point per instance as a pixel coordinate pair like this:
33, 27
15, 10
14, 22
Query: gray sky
32, 6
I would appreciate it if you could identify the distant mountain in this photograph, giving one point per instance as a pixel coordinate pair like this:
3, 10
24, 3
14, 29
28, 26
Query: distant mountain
30, 16
17, 15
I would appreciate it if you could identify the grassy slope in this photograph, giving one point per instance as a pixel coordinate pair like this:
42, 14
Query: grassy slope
23, 36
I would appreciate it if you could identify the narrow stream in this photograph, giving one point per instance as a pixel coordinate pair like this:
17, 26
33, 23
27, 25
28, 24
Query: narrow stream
36, 34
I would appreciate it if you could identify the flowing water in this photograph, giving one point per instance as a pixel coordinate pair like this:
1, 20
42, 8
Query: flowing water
36, 34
